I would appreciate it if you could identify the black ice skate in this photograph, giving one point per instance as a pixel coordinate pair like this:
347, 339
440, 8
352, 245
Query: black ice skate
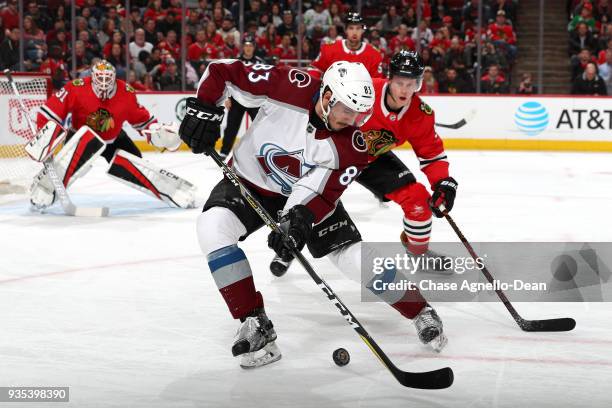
433, 262
254, 341
429, 328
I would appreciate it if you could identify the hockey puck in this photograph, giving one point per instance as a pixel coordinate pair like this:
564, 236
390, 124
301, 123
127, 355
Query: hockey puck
341, 357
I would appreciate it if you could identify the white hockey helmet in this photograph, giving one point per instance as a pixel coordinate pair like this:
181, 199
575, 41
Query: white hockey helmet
351, 85
103, 79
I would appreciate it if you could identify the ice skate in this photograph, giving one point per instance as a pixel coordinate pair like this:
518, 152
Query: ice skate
429, 329
255, 341
434, 262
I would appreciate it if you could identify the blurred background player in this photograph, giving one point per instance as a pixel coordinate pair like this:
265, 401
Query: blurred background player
352, 49
236, 111
104, 103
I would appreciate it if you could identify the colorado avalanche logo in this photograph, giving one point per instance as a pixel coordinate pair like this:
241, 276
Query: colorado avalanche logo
283, 167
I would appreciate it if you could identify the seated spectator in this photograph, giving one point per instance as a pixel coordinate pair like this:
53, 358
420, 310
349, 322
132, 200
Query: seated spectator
585, 16
139, 44
195, 22
105, 35
453, 83
213, 37
200, 50
10, 15
42, 20
605, 71
169, 23
440, 43
508, 6
55, 67
116, 38
269, 40
447, 22
91, 44
490, 56
285, 50
410, 18
227, 28
289, 25
171, 45
332, 35
134, 82
579, 62
140, 64
390, 21
117, 59
154, 11
455, 57
230, 50
83, 58
378, 41
148, 83
423, 34
90, 20
470, 12
502, 35
589, 83
401, 41
493, 82
334, 13
34, 40
317, 19
581, 38
61, 40
150, 31
430, 85
526, 87
601, 58
439, 12
276, 17
170, 80
9, 50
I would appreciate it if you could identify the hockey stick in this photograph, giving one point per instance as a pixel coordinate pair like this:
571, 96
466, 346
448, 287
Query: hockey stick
460, 124
58, 185
546, 325
431, 380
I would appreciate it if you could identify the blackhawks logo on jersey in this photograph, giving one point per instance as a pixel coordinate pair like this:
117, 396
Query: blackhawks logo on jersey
426, 108
379, 141
100, 120
78, 82
129, 88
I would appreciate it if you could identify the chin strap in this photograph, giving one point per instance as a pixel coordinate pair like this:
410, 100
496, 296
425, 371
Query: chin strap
325, 113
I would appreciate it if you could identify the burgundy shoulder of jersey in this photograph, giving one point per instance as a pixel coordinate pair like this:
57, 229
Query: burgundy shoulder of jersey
295, 87
351, 147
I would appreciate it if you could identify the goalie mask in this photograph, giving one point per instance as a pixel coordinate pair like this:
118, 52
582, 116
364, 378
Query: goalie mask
103, 80
352, 93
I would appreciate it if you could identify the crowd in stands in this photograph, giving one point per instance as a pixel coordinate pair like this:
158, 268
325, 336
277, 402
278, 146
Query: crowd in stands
590, 47
446, 36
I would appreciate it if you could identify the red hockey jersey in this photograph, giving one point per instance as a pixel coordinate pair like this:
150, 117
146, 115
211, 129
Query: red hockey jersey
106, 117
285, 151
413, 124
339, 51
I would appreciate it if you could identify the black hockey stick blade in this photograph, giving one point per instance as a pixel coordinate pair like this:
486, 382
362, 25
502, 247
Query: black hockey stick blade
548, 325
457, 125
430, 380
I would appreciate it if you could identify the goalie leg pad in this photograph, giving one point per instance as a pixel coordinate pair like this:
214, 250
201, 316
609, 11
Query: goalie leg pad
73, 161
48, 138
159, 183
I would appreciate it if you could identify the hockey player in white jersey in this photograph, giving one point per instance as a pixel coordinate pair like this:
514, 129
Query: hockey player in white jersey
297, 158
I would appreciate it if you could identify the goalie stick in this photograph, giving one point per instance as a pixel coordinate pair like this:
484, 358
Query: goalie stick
431, 380
67, 205
545, 325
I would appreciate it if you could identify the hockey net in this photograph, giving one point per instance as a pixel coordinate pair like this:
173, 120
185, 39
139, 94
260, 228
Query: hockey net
16, 168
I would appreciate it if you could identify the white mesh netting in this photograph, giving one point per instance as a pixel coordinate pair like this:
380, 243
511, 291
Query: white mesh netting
16, 169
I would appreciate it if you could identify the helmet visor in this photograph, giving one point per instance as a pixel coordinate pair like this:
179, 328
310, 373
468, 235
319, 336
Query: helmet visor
344, 116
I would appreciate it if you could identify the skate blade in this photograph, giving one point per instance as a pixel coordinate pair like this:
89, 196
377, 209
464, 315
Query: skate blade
438, 343
267, 355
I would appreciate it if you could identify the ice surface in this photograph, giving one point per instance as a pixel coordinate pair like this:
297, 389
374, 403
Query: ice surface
125, 312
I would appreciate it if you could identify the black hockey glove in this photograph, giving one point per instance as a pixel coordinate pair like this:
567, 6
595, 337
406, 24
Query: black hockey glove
297, 224
444, 192
201, 126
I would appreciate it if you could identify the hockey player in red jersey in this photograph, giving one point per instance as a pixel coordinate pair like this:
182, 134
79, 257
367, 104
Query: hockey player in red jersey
352, 49
101, 104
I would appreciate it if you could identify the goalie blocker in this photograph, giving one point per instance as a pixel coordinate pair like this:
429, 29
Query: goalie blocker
76, 158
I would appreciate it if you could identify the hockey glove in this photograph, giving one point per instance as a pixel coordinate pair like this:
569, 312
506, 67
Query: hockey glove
297, 224
444, 192
201, 126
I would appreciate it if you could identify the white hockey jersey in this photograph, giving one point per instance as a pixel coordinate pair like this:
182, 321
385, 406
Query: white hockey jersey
283, 152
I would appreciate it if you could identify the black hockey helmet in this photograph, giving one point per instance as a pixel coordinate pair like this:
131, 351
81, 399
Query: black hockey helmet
353, 17
249, 38
408, 64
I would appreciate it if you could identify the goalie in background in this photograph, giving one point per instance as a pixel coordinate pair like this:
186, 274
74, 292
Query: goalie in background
99, 106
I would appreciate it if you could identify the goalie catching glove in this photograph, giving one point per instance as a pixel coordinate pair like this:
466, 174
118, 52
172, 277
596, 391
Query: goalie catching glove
201, 126
444, 192
297, 225
164, 136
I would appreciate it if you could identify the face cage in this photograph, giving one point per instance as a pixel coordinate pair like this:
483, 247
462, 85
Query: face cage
103, 83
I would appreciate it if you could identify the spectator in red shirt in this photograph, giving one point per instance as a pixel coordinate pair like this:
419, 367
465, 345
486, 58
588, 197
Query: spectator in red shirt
285, 50
10, 15
201, 50
502, 35
171, 45
116, 38
213, 36
268, 40
230, 50
55, 67
154, 11
401, 41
